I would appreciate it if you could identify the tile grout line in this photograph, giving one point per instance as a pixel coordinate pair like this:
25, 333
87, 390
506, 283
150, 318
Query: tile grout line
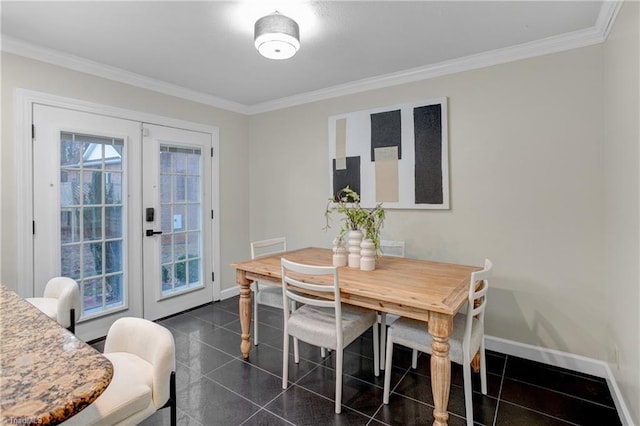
504, 369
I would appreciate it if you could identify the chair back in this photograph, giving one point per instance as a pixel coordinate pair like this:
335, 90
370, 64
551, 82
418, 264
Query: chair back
478, 288
297, 277
151, 342
394, 248
266, 247
67, 292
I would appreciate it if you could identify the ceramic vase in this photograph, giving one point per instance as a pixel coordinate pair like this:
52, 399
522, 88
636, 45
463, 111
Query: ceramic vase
339, 252
355, 238
367, 255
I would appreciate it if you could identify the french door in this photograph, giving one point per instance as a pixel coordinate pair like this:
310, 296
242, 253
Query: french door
96, 182
177, 222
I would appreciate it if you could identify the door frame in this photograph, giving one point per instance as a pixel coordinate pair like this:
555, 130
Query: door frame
25, 99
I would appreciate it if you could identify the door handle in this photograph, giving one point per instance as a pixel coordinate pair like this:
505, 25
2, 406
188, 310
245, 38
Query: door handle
151, 232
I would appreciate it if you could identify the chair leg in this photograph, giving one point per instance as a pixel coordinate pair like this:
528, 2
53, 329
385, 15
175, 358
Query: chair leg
296, 351
468, 401
173, 399
414, 359
387, 370
339, 353
323, 352
376, 350
285, 360
483, 369
72, 321
172, 402
255, 317
383, 338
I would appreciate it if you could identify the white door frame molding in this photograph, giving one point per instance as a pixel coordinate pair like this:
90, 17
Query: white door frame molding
25, 99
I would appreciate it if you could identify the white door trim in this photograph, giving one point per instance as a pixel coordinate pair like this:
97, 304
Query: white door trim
25, 99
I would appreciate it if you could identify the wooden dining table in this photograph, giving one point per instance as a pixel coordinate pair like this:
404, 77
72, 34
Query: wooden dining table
46, 373
427, 291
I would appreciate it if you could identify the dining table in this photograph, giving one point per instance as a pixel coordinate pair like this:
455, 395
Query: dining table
47, 374
428, 291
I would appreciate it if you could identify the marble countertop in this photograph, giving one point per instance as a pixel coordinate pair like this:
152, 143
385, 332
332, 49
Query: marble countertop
46, 374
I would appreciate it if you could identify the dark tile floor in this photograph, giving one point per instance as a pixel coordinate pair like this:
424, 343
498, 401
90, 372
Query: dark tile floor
215, 386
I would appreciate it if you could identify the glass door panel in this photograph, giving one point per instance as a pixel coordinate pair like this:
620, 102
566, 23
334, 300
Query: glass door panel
181, 209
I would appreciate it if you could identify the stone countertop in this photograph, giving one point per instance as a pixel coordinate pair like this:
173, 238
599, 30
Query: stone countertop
46, 373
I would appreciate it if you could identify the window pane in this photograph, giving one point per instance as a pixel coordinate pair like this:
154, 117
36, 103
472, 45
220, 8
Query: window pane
113, 187
92, 259
166, 220
69, 187
92, 223
113, 284
194, 272
165, 188
92, 295
180, 274
193, 188
179, 189
167, 278
167, 249
70, 150
113, 256
69, 225
193, 217
179, 218
194, 244
92, 186
70, 265
113, 222
180, 246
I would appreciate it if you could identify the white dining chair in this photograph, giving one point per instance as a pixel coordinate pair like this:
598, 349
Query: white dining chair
60, 301
143, 357
393, 248
467, 338
266, 294
319, 321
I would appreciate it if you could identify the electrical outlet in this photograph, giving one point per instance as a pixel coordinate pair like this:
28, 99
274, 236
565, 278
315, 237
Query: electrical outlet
616, 357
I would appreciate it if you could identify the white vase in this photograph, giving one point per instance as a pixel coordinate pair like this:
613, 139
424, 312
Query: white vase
367, 255
355, 238
339, 252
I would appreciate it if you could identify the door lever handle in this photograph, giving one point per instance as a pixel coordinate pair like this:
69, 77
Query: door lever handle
151, 232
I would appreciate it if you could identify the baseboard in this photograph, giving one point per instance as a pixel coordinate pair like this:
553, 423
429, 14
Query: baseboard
566, 360
230, 292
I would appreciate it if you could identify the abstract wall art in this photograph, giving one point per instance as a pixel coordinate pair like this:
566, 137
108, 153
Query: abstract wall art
396, 155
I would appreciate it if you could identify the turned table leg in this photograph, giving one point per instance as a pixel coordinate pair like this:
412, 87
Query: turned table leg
440, 326
244, 309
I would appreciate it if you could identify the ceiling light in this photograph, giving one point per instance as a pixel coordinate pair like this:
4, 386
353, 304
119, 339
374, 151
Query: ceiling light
277, 36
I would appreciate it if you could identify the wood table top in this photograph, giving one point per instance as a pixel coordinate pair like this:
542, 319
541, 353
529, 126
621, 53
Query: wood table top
46, 373
407, 287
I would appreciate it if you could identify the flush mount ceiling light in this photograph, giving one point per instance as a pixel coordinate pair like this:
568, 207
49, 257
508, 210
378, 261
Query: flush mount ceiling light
277, 36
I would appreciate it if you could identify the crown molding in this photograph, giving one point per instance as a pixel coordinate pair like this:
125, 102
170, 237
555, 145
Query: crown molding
76, 63
582, 38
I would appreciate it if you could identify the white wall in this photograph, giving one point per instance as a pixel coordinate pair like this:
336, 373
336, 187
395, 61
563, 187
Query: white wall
20, 72
622, 200
525, 142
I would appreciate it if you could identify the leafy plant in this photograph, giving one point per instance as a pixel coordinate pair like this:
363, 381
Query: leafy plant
368, 220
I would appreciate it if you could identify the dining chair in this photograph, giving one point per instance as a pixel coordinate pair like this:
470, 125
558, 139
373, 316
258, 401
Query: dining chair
143, 357
321, 321
393, 248
467, 338
60, 301
266, 294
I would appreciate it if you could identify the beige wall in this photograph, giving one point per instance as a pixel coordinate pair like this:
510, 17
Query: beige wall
525, 142
20, 72
622, 200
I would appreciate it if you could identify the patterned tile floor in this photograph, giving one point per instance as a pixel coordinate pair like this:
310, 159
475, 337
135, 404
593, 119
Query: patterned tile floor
215, 386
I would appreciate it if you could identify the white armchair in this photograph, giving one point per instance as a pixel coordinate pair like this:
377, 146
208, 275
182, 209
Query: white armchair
60, 301
143, 357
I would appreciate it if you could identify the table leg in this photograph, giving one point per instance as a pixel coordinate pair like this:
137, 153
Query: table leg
244, 309
440, 326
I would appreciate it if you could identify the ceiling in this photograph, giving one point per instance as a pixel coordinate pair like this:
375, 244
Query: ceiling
204, 50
